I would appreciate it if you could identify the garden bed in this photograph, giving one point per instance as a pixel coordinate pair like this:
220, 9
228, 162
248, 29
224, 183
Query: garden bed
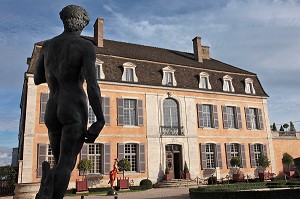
279, 189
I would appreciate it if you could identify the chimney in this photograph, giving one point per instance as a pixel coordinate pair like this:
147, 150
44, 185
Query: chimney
98, 32
198, 54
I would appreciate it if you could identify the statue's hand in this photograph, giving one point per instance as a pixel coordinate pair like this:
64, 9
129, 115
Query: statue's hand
93, 132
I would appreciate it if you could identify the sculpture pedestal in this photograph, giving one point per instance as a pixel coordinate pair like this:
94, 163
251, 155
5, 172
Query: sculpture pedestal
26, 190
112, 192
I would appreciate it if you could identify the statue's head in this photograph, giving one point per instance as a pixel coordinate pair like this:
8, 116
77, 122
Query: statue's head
74, 18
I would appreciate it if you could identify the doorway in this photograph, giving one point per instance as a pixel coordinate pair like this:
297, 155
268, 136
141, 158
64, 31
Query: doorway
174, 160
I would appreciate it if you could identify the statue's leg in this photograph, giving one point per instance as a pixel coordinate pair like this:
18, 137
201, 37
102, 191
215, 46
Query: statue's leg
71, 143
55, 137
46, 187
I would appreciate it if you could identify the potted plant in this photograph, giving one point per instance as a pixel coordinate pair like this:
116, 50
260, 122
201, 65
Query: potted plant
123, 165
288, 160
83, 166
167, 175
237, 175
263, 163
186, 172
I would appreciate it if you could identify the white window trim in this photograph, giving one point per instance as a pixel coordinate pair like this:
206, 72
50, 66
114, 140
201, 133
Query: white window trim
205, 75
249, 81
129, 65
228, 78
165, 70
100, 63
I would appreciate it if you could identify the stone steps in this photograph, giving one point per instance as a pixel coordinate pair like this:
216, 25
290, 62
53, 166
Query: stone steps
176, 183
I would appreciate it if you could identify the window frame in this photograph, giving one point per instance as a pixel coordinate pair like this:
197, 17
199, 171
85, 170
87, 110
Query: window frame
130, 112
93, 157
129, 65
99, 69
207, 116
210, 152
50, 157
249, 88
173, 111
231, 117
227, 84
169, 71
132, 156
203, 76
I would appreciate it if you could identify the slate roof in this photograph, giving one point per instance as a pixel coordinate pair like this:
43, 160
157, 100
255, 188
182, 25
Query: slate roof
149, 62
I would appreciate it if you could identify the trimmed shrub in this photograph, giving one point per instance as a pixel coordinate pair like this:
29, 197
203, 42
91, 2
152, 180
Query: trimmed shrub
146, 183
102, 189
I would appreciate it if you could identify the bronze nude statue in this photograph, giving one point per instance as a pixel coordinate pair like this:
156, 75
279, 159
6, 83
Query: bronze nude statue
65, 61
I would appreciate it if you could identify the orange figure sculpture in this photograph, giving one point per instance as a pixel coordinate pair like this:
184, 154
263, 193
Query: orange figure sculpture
113, 174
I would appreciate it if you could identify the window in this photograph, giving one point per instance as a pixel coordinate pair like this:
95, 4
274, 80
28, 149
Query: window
99, 154
94, 154
235, 150
105, 109
91, 116
131, 155
99, 69
210, 156
43, 102
207, 116
232, 117
227, 84
254, 119
129, 74
204, 81
129, 112
170, 109
168, 76
50, 157
257, 153
249, 88
256, 150
135, 154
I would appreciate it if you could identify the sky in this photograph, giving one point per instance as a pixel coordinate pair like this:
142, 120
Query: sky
261, 36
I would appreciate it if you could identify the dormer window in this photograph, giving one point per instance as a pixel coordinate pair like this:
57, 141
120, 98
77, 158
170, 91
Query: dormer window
227, 84
169, 77
249, 89
204, 81
99, 70
129, 74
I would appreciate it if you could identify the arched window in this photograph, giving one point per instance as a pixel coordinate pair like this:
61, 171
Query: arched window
171, 117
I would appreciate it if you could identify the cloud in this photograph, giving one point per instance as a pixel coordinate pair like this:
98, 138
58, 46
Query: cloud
5, 156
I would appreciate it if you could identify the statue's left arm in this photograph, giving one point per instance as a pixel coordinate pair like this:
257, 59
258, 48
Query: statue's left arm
39, 74
94, 93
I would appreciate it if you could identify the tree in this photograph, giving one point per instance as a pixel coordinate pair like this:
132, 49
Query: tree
235, 162
281, 128
124, 165
263, 161
292, 127
286, 126
274, 128
287, 159
84, 165
8, 174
